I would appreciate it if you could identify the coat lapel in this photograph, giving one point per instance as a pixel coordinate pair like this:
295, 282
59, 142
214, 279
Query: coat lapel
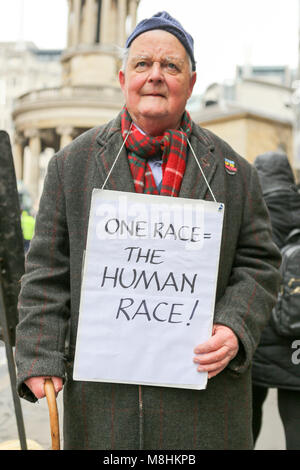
111, 141
193, 184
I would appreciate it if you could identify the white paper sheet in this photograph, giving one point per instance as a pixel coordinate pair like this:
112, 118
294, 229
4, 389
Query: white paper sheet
148, 289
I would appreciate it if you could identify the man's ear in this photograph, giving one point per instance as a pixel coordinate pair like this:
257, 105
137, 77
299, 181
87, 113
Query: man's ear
122, 79
192, 83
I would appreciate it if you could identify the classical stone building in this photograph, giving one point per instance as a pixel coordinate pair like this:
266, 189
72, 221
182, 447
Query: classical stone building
24, 67
89, 95
249, 132
254, 114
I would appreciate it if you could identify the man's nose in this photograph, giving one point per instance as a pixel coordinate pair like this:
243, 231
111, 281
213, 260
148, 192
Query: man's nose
156, 73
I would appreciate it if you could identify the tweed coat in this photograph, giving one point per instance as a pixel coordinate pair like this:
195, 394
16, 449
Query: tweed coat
107, 416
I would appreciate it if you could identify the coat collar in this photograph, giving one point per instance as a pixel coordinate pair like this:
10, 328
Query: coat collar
193, 185
110, 139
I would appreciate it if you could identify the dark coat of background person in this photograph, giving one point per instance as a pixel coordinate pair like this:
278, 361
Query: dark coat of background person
273, 366
106, 415
11, 239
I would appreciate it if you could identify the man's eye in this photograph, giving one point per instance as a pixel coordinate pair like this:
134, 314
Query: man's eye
172, 67
141, 64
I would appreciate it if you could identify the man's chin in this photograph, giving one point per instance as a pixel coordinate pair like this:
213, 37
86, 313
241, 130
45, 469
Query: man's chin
154, 113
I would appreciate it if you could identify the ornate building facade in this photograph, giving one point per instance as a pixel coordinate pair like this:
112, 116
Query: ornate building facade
89, 95
24, 67
254, 113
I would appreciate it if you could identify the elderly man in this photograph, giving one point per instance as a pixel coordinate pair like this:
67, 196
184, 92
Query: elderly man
157, 79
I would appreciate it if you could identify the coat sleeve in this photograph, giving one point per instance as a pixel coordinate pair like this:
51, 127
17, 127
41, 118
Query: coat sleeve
254, 281
45, 292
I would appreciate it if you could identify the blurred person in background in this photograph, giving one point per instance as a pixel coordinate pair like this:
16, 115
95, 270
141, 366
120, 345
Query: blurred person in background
273, 366
27, 224
27, 214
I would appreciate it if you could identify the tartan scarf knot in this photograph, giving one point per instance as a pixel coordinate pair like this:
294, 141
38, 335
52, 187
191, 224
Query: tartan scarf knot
171, 147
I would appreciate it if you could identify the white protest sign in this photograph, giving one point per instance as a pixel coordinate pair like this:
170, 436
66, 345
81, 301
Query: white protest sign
148, 289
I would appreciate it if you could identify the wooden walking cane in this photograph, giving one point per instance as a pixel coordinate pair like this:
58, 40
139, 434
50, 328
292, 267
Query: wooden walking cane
53, 414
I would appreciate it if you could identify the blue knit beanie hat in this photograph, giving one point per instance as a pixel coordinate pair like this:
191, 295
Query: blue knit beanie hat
163, 20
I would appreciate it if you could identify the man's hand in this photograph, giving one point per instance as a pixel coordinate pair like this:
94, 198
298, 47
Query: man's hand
214, 355
36, 385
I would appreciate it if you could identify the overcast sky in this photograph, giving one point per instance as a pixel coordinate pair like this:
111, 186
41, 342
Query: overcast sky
226, 32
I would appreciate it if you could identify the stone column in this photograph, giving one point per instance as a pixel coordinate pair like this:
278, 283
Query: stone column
132, 14
76, 22
88, 25
91, 21
66, 135
105, 21
32, 170
122, 13
18, 151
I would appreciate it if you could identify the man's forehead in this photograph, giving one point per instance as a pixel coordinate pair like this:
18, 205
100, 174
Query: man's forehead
157, 42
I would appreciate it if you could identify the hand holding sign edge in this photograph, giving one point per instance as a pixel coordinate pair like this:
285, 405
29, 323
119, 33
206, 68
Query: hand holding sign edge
214, 354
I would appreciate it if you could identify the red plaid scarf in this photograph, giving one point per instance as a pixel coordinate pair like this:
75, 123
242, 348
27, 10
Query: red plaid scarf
172, 147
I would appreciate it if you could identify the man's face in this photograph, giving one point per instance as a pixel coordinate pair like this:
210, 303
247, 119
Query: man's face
157, 81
